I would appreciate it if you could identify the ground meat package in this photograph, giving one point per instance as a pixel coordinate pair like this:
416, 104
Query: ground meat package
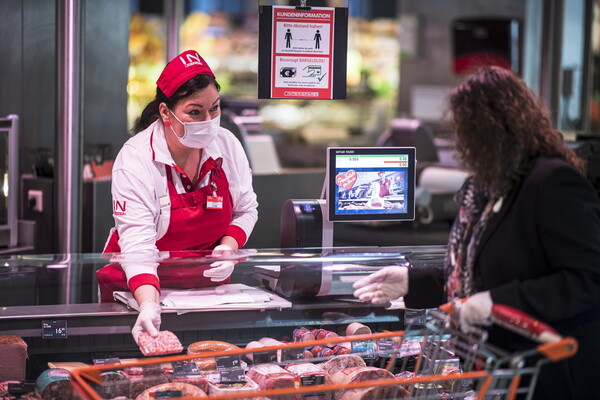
165, 343
14, 356
340, 362
271, 376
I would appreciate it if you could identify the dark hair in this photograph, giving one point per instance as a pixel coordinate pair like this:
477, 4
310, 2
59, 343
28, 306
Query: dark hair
151, 114
501, 126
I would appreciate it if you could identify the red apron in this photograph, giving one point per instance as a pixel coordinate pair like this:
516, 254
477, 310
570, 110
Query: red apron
192, 226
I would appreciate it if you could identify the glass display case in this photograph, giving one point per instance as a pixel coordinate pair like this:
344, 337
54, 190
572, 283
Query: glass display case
51, 302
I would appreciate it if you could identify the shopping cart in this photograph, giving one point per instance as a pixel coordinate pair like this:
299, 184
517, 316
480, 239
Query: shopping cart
429, 360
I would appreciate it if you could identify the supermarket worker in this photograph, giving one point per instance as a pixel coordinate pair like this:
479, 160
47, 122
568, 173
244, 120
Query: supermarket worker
181, 184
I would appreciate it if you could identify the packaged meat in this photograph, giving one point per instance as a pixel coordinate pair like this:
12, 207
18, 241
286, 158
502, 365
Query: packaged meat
139, 383
54, 384
14, 356
358, 374
303, 335
376, 393
165, 343
271, 376
215, 389
338, 350
405, 375
308, 374
356, 328
197, 380
151, 369
172, 389
323, 334
337, 363
113, 385
206, 346
321, 351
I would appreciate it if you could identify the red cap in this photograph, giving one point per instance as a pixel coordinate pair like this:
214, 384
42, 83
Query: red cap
180, 70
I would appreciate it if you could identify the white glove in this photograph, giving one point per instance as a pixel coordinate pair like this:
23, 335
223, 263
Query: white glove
387, 284
476, 310
148, 320
221, 251
219, 270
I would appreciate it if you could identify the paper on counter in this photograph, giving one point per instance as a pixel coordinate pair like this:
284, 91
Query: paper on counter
235, 296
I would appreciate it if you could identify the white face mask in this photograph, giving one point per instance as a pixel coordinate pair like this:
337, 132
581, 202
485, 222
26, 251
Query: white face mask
198, 135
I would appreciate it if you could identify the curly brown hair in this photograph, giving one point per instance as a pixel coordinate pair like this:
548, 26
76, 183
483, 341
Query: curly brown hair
501, 126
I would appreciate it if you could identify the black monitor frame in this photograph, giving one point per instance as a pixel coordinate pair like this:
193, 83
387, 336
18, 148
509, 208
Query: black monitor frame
400, 206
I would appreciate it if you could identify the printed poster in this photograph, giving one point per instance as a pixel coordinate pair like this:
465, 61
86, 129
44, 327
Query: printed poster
304, 54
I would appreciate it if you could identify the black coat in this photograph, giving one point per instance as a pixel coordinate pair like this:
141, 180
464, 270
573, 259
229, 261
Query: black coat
541, 254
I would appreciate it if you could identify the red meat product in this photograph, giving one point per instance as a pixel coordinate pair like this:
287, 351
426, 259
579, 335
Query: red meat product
185, 390
360, 374
54, 384
165, 343
113, 385
271, 376
152, 369
340, 362
196, 380
139, 383
376, 393
308, 374
14, 356
204, 346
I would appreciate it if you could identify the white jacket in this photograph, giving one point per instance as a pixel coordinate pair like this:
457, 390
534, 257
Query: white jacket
139, 187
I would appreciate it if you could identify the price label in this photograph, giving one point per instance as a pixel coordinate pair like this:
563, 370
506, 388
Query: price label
264, 357
235, 375
106, 361
54, 329
168, 394
185, 368
414, 318
387, 347
228, 362
20, 388
296, 353
365, 349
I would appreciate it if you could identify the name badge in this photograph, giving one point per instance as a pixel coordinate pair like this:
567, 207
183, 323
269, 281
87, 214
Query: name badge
214, 202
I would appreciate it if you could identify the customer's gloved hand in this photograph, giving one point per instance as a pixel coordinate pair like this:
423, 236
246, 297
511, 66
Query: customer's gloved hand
219, 270
387, 284
475, 310
148, 320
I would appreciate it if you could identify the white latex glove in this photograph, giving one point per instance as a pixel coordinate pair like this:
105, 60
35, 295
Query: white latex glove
148, 320
475, 310
389, 283
221, 251
219, 270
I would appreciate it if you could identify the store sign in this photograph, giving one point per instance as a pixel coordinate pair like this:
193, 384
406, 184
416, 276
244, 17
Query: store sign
302, 52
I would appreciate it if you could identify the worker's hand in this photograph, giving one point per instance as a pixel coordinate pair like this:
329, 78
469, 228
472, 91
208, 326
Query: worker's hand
222, 250
219, 270
148, 320
387, 284
475, 310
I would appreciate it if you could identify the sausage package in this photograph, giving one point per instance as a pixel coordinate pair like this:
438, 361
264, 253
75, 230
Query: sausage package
165, 343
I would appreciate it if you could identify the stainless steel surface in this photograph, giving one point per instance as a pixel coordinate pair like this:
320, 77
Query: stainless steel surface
69, 165
174, 17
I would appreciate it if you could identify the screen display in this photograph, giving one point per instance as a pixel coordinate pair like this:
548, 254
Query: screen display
371, 183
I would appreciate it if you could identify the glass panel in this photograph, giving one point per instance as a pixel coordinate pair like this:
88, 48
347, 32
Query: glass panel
595, 71
571, 65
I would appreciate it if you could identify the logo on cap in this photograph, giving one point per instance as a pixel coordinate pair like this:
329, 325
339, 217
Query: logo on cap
192, 59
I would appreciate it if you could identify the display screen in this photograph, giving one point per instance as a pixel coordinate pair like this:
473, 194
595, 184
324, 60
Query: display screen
371, 183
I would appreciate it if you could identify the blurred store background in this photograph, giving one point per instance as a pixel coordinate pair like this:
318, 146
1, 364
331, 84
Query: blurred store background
402, 60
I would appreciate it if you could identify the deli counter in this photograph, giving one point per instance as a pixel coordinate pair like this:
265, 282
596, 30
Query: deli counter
51, 301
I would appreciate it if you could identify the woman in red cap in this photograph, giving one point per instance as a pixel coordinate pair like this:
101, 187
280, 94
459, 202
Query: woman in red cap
182, 183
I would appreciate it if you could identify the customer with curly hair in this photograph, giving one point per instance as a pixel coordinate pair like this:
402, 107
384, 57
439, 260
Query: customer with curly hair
527, 234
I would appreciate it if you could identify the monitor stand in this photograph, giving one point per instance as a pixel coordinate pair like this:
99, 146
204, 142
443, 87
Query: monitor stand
327, 235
